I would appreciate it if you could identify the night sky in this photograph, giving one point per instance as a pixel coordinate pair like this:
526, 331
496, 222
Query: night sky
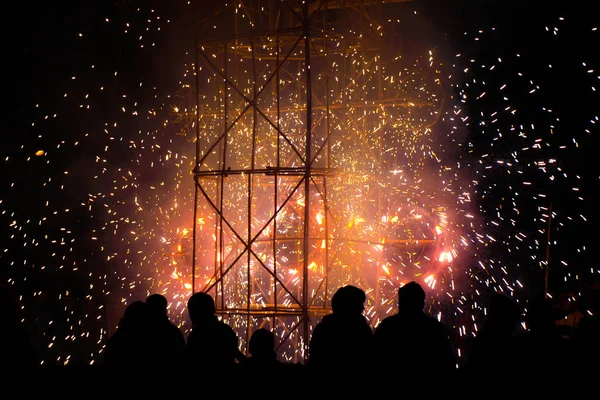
75, 48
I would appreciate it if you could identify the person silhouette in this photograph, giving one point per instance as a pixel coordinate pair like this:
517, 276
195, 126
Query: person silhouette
543, 349
211, 343
16, 347
411, 343
129, 347
584, 343
496, 348
168, 342
342, 341
263, 357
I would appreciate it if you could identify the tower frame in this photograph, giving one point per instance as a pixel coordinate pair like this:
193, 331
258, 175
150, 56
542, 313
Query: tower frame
281, 77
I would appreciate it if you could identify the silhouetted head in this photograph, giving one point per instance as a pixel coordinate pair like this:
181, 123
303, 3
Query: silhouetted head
411, 298
200, 305
592, 298
262, 343
348, 300
135, 315
504, 310
157, 303
541, 315
9, 306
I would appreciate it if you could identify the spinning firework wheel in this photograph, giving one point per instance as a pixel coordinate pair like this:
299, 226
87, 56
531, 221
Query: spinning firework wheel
303, 178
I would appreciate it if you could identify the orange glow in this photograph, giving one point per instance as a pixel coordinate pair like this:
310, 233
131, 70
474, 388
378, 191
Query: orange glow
320, 218
430, 281
445, 256
386, 269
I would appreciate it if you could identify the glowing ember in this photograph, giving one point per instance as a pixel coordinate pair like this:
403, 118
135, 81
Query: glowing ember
407, 168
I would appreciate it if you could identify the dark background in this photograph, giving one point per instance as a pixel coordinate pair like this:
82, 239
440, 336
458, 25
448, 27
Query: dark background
42, 52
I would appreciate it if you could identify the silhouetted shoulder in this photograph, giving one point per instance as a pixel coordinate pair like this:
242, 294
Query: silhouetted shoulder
343, 340
411, 341
16, 347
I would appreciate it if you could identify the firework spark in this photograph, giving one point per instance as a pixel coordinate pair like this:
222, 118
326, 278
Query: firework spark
465, 156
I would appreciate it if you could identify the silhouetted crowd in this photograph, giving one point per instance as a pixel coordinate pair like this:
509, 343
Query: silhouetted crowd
404, 347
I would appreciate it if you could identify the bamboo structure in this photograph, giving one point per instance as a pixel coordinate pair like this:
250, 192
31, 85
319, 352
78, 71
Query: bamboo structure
295, 186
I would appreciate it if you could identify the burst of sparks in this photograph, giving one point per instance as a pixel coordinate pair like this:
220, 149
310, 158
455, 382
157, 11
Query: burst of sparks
109, 208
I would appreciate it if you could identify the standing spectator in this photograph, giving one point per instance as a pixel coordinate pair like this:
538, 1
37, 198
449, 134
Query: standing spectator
211, 344
129, 347
168, 343
412, 343
342, 342
16, 348
495, 350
